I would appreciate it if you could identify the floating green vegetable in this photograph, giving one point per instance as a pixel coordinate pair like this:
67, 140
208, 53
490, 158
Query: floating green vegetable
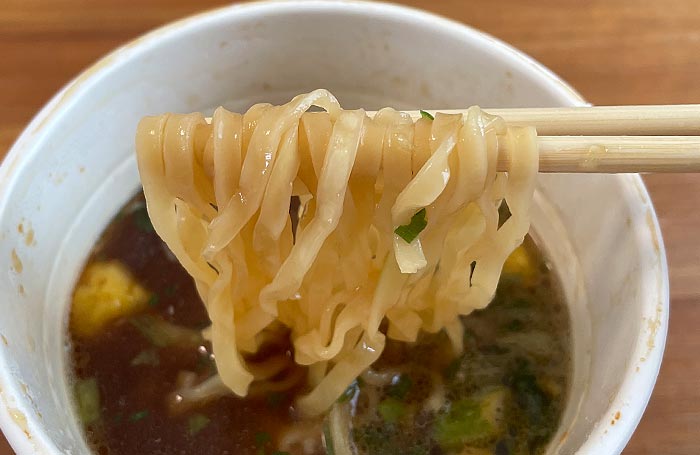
275, 399
143, 222
262, 438
153, 300
391, 410
146, 357
328, 439
163, 333
349, 393
462, 425
410, 231
532, 404
135, 417
170, 290
87, 394
196, 423
401, 388
426, 114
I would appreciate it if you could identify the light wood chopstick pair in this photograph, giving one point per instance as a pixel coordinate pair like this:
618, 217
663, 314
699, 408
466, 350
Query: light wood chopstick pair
610, 139
607, 139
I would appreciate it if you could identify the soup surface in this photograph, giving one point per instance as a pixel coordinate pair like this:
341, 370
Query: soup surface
135, 330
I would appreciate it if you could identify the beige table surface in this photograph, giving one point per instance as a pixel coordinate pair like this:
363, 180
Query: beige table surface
612, 51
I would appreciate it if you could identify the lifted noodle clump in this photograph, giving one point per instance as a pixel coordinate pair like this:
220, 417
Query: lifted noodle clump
397, 229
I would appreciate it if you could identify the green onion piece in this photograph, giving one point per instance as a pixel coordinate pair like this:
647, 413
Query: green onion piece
462, 425
143, 222
391, 410
328, 439
401, 388
153, 300
274, 399
135, 417
427, 115
410, 231
278, 452
349, 393
196, 423
87, 394
262, 437
146, 357
162, 333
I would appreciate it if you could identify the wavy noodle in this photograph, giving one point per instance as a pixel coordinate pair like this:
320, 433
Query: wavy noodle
340, 280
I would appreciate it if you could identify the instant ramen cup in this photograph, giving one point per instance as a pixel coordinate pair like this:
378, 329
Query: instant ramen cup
74, 167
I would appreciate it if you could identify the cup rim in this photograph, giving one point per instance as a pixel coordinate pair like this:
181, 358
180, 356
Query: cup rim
29, 437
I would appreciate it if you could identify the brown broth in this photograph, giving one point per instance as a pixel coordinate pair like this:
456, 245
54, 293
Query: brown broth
135, 377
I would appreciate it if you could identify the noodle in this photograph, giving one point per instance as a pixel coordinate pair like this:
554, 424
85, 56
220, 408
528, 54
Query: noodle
345, 276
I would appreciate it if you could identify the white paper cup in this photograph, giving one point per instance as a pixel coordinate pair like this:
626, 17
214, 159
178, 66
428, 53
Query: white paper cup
74, 166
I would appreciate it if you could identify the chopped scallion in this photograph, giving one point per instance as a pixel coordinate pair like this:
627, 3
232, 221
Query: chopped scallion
401, 387
349, 393
146, 357
328, 439
135, 417
143, 222
262, 438
87, 394
410, 231
163, 333
427, 115
391, 410
153, 300
196, 423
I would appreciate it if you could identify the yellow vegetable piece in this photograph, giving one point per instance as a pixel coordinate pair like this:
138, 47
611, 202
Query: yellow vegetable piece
106, 291
521, 263
493, 407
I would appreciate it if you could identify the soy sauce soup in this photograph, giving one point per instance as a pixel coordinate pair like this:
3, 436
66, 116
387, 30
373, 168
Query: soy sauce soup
136, 337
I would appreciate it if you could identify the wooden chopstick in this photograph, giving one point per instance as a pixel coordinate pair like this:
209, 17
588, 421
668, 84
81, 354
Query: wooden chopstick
606, 139
662, 120
616, 154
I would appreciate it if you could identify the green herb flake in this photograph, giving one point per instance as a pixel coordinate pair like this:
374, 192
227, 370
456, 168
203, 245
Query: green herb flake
143, 222
426, 114
410, 231
135, 417
328, 439
278, 452
170, 290
147, 357
391, 410
87, 395
349, 393
462, 425
153, 300
162, 333
196, 423
401, 387
262, 438
275, 399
